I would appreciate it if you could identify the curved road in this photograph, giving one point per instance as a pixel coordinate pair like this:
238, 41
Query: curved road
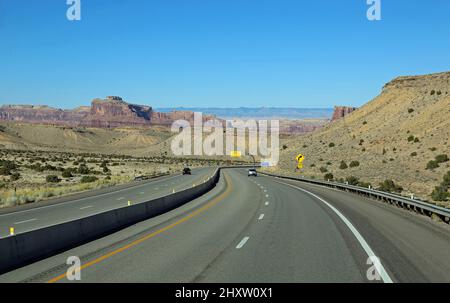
263, 230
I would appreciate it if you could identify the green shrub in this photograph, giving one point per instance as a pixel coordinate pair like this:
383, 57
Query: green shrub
6, 167
432, 164
432, 92
83, 169
14, 177
354, 164
413, 154
440, 193
446, 181
365, 122
328, 176
433, 149
343, 165
411, 138
410, 110
331, 144
416, 140
390, 186
323, 169
67, 173
441, 158
364, 184
5, 171
352, 180
88, 179
284, 146
52, 179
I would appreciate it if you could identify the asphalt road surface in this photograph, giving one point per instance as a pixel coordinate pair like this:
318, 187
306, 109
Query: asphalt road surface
38, 217
263, 229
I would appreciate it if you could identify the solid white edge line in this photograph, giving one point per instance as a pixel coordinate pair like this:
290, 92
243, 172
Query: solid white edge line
380, 268
242, 243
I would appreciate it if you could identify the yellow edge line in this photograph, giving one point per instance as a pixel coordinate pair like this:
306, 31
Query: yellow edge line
138, 241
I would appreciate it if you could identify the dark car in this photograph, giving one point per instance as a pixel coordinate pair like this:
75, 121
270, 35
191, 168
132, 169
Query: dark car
187, 171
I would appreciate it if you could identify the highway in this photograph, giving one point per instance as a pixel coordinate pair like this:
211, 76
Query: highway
262, 229
41, 216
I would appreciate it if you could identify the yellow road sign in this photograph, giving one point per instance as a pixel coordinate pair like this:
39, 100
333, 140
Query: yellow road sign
300, 158
235, 153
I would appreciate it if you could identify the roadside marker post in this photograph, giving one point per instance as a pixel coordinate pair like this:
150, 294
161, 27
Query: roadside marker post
129, 203
173, 191
11, 231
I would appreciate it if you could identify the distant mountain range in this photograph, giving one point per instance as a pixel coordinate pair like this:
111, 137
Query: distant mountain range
259, 113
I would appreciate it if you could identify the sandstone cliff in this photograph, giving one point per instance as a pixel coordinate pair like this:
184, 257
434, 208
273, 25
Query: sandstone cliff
111, 112
342, 111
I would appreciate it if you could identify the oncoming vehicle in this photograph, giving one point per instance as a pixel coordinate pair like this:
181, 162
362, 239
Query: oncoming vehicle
187, 171
252, 172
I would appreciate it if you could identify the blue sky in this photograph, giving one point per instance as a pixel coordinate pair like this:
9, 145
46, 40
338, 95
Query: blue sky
221, 53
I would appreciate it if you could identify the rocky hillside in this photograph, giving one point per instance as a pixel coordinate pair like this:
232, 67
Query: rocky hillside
111, 112
395, 136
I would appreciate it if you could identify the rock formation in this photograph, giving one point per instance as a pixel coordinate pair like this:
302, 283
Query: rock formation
342, 111
111, 112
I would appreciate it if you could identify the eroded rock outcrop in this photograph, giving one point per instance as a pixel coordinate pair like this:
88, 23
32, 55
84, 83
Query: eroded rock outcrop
103, 113
342, 111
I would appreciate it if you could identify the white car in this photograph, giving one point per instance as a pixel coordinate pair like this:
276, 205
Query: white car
252, 172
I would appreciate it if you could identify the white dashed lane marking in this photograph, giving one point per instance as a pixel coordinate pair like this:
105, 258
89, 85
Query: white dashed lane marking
25, 221
242, 243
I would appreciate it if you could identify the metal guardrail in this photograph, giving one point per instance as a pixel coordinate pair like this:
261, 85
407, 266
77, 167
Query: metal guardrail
420, 207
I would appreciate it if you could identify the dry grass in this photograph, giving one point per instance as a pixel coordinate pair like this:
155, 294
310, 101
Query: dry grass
377, 134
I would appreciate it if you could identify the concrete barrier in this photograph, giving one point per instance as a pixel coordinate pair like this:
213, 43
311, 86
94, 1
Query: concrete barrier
31, 246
